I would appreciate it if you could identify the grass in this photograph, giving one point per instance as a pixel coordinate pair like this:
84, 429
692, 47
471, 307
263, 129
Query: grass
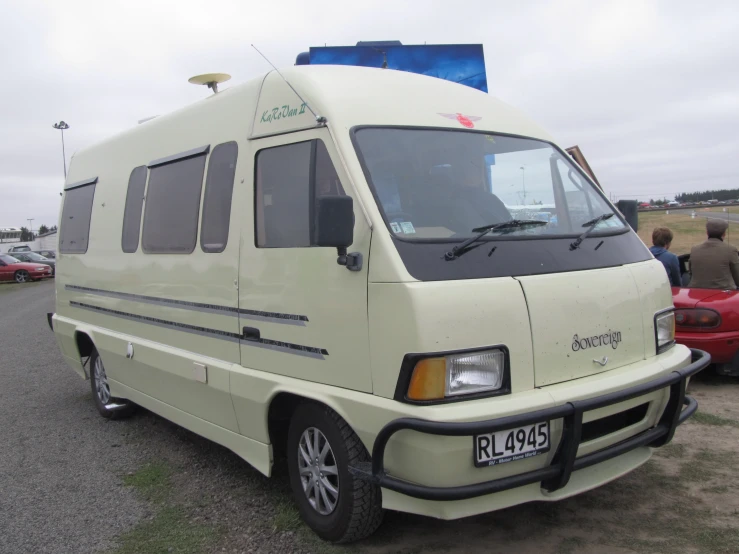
287, 517
713, 456
170, 530
719, 540
672, 450
151, 481
660, 514
718, 489
570, 544
287, 520
687, 231
694, 473
706, 464
710, 419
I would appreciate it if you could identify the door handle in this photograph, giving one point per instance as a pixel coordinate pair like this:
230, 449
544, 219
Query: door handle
251, 333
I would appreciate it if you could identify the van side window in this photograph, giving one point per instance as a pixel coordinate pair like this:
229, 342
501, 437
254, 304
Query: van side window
282, 196
327, 180
132, 211
173, 205
74, 232
219, 186
288, 178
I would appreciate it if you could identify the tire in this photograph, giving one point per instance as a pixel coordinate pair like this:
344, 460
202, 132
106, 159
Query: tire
107, 406
357, 510
22, 276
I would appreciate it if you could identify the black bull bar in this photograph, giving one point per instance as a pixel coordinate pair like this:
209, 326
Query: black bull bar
557, 474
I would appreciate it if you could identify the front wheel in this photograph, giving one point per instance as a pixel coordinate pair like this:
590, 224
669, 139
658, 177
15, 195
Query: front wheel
22, 276
320, 448
107, 406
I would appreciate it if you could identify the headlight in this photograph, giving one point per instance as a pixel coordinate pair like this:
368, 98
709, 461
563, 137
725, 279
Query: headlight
41, 268
458, 374
664, 330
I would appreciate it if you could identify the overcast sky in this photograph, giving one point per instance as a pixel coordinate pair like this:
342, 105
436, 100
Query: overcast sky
648, 90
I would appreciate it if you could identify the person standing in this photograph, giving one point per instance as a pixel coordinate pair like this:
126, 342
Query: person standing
661, 241
714, 264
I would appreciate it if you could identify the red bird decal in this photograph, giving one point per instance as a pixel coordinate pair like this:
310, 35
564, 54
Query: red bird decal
465, 120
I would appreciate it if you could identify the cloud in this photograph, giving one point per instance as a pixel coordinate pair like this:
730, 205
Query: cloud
647, 89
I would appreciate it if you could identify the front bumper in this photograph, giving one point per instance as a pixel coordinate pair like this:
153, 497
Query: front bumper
721, 346
556, 475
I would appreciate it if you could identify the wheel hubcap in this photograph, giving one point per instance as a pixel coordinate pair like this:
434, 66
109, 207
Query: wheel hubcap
21, 277
101, 382
319, 473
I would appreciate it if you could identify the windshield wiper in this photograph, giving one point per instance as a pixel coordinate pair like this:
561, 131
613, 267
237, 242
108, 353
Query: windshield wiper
506, 226
592, 224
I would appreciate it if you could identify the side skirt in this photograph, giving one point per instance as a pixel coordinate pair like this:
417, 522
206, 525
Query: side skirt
254, 452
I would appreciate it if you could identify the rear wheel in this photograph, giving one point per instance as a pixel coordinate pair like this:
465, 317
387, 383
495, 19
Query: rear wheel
22, 276
320, 448
109, 407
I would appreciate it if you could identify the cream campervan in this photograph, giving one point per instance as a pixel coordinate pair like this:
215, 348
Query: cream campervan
401, 283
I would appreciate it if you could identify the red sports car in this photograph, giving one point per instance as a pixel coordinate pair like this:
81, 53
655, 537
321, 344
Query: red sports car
708, 319
13, 270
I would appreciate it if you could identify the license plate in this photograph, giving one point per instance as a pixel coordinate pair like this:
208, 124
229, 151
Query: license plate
511, 445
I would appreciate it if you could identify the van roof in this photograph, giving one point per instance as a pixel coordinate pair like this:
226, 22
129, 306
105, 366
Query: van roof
349, 96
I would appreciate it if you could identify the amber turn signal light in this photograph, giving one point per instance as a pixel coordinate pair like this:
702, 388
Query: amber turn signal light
428, 380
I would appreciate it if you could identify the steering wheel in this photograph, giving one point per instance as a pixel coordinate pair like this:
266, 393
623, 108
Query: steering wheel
399, 216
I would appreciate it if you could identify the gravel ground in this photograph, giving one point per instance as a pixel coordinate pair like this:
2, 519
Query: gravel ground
62, 469
62, 465
59, 460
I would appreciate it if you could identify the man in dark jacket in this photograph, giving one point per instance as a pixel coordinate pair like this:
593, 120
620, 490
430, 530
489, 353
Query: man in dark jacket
661, 239
714, 264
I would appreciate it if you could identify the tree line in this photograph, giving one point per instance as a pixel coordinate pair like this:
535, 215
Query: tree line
27, 235
726, 194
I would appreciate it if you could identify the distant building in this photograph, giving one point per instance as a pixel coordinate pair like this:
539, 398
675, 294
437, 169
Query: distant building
10, 234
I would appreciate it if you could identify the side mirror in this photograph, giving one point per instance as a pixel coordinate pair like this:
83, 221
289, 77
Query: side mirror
333, 225
334, 221
629, 209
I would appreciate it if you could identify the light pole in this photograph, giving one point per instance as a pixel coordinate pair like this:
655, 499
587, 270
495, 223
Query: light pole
523, 183
62, 126
30, 225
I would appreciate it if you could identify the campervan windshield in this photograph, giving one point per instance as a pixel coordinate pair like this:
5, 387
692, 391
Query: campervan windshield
438, 184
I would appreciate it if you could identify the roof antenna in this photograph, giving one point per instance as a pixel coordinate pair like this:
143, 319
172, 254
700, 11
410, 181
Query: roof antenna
384, 57
321, 120
210, 79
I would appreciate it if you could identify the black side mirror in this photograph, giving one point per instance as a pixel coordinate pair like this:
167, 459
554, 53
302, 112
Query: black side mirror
629, 209
334, 221
333, 225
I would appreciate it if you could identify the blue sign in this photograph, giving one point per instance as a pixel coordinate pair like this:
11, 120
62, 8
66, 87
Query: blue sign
459, 63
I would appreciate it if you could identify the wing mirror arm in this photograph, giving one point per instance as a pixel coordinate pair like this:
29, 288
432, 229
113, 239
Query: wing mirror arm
353, 261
